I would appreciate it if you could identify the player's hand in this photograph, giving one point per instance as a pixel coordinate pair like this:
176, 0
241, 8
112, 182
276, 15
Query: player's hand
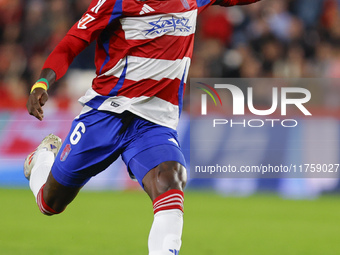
36, 101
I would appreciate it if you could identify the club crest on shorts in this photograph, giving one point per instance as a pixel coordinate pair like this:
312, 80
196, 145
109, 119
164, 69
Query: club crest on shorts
65, 152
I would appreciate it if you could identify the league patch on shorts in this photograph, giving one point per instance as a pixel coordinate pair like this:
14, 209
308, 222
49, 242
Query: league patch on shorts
65, 152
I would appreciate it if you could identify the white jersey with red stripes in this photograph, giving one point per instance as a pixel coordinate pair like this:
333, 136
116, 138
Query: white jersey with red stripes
143, 55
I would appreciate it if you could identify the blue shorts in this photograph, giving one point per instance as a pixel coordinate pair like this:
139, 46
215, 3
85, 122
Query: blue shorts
98, 138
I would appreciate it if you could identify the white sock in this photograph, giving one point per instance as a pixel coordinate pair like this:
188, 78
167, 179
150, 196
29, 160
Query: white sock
42, 167
166, 232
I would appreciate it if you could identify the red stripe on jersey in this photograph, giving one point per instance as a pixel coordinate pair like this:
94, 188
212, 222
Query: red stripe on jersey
104, 84
164, 47
117, 49
165, 89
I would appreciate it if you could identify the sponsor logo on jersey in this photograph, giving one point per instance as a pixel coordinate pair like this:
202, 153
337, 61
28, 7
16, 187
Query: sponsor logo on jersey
65, 152
163, 25
146, 9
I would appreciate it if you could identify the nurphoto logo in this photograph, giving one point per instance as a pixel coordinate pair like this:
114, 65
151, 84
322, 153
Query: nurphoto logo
240, 101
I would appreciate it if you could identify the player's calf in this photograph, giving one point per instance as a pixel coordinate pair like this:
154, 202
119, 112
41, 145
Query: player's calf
54, 197
58, 196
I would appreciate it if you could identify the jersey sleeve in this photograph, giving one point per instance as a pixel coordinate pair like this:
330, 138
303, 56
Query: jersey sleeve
62, 56
234, 2
98, 16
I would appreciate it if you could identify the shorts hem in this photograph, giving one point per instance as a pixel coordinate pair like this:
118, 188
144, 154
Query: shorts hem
148, 159
67, 180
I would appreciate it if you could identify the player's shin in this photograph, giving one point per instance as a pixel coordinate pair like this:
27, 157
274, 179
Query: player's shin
166, 231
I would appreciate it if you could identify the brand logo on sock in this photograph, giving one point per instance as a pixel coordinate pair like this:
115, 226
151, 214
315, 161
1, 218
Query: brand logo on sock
175, 252
65, 152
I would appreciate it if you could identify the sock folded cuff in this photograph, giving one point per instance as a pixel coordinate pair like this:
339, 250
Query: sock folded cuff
172, 199
43, 207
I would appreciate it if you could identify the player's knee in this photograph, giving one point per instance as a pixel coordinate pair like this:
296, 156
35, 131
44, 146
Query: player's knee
171, 175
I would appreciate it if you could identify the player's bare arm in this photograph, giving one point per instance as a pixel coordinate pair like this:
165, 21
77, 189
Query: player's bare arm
54, 68
39, 96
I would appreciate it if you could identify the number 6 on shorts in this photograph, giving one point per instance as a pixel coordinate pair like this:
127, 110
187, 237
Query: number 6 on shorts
77, 132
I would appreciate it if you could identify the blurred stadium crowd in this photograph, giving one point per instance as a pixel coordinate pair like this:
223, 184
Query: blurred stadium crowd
274, 38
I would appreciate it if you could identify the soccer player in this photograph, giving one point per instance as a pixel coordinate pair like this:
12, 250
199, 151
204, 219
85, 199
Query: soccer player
142, 59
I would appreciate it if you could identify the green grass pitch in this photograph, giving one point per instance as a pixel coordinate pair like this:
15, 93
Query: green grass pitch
119, 222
